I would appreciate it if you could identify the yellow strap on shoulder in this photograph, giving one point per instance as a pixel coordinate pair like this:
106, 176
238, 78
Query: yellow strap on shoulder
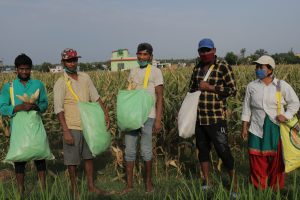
68, 82
278, 97
147, 75
11, 94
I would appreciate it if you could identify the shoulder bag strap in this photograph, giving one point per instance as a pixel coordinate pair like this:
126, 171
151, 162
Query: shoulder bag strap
278, 96
147, 75
68, 83
11, 93
208, 72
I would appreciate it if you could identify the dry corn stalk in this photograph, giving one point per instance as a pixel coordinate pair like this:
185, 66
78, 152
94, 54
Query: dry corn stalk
131, 84
176, 164
118, 162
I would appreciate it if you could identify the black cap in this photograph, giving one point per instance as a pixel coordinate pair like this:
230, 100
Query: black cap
145, 46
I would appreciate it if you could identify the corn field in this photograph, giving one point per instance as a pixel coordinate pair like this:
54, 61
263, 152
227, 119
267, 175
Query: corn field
175, 152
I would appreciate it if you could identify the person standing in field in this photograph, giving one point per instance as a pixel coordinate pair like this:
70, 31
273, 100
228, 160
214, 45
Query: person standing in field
211, 124
10, 106
75, 147
261, 124
152, 125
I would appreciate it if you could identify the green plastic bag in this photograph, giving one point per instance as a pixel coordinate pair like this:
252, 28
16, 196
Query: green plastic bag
133, 108
28, 140
94, 127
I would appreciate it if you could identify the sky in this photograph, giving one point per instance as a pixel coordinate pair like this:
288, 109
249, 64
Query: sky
43, 28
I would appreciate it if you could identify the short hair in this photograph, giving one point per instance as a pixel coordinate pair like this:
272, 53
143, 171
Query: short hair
145, 46
23, 59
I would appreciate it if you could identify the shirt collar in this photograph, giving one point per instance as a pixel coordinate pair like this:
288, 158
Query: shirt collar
274, 81
67, 77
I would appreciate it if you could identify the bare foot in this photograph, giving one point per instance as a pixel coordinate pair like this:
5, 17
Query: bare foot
126, 190
99, 191
149, 187
76, 195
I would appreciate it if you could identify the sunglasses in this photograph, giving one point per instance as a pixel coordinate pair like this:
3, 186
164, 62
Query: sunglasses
72, 60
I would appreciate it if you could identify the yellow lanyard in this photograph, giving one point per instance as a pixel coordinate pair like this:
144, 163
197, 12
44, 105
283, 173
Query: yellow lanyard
11, 94
68, 82
147, 75
278, 95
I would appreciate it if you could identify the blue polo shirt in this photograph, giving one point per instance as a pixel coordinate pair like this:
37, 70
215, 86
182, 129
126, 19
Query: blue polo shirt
6, 108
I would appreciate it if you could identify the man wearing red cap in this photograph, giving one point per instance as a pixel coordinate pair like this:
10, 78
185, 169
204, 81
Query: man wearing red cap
75, 147
211, 122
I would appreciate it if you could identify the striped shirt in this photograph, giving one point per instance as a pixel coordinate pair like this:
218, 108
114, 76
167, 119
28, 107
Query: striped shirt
212, 105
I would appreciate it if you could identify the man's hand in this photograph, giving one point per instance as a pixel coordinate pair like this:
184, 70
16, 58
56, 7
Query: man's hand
281, 118
156, 126
107, 120
205, 86
68, 137
24, 107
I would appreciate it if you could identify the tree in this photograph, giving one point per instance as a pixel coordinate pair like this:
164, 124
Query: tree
260, 52
242, 52
45, 67
231, 58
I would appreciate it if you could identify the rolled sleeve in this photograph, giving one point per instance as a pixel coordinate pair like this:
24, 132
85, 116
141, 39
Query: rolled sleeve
246, 113
59, 95
292, 101
158, 78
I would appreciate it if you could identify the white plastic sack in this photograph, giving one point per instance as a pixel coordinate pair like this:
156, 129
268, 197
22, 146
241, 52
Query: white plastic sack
187, 115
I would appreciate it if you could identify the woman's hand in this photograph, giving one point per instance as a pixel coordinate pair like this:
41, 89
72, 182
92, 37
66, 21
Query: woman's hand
281, 118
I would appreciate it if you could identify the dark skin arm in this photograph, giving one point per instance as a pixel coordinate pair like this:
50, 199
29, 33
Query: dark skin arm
66, 132
105, 113
159, 109
245, 129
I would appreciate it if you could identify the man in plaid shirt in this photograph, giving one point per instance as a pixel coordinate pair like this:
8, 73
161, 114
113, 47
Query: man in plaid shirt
211, 123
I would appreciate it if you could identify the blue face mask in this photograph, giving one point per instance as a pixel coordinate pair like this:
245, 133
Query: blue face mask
143, 63
261, 74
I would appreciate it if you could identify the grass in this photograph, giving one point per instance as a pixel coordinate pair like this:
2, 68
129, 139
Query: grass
168, 184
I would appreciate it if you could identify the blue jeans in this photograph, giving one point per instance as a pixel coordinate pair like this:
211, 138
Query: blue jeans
146, 142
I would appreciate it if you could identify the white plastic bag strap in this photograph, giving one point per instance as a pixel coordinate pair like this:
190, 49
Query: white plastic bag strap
208, 72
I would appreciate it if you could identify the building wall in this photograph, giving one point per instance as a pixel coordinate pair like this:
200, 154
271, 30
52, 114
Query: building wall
120, 60
123, 65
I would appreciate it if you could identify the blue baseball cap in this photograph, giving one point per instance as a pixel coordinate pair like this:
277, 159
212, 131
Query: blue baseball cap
207, 43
